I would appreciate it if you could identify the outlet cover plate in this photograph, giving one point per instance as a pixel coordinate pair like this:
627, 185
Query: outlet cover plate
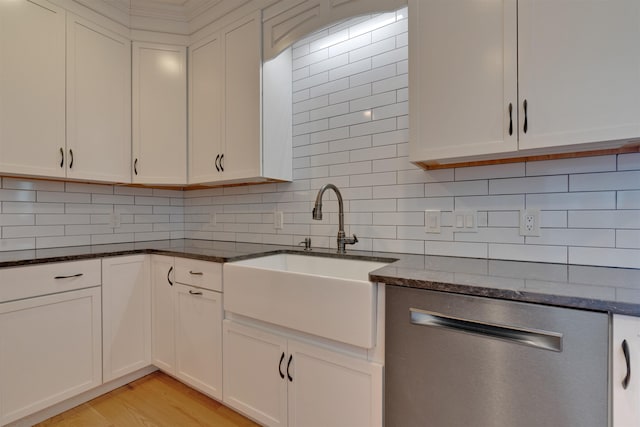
530, 222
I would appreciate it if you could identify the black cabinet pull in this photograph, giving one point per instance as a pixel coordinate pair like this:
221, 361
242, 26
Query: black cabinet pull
71, 156
526, 120
195, 292
510, 119
69, 277
221, 163
196, 273
216, 162
288, 366
61, 157
168, 276
280, 366
627, 359
135, 166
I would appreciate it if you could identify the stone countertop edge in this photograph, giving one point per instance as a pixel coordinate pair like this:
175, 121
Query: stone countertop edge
508, 280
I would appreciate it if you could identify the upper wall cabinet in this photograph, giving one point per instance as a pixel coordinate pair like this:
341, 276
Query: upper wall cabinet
521, 78
32, 88
239, 109
98, 102
159, 114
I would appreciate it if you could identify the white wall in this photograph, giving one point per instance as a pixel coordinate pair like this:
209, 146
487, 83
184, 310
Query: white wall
350, 128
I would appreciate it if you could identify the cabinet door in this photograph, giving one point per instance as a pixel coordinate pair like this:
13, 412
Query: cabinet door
126, 315
242, 99
98, 103
578, 71
206, 89
463, 66
331, 389
159, 114
199, 339
162, 313
255, 366
626, 412
50, 350
32, 87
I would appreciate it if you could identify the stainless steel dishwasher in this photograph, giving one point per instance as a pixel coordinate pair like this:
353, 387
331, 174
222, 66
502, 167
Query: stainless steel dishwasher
463, 361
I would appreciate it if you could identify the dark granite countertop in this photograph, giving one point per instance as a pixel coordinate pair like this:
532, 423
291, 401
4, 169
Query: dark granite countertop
614, 290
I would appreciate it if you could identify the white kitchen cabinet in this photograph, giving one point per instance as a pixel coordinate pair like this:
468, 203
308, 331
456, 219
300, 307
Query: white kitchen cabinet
159, 114
32, 88
571, 63
50, 335
198, 327
163, 353
229, 139
282, 381
98, 103
126, 315
624, 381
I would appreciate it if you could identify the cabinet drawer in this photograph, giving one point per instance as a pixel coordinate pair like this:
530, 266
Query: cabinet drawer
30, 281
203, 274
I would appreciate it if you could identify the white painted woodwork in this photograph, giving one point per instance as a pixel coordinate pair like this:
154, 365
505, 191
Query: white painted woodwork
227, 142
576, 66
198, 328
126, 315
98, 102
282, 381
202, 274
206, 87
242, 59
626, 412
332, 389
50, 350
578, 71
32, 87
163, 349
287, 21
254, 361
159, 115
463, 72
37, 280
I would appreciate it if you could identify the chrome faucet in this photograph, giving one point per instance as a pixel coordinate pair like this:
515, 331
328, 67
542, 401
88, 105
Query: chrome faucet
317, 215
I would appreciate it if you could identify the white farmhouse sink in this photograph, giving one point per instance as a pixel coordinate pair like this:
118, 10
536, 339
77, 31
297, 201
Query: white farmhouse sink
326, 297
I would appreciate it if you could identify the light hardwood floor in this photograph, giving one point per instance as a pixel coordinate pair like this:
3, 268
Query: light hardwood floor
156, 400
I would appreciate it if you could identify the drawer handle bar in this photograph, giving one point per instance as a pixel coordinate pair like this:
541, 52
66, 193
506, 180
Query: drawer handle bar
195, 292
69, 277
280, 366
530, 337
196, 273
627, 359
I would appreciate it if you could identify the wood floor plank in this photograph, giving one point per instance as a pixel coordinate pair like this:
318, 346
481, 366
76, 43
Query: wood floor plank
156, 400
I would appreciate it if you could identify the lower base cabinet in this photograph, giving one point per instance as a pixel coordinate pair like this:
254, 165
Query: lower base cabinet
280, 381
50, 350
625, 382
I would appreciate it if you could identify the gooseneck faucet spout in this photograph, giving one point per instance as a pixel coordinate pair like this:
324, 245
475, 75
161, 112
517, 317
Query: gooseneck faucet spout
317, 215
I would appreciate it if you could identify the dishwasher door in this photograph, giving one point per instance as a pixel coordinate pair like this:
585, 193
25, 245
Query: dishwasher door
462, 361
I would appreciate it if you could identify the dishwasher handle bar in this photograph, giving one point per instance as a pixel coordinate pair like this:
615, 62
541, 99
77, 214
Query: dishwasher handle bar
530, 337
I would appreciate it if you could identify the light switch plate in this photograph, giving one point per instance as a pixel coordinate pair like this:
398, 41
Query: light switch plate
465, 221
432, 220
278, 220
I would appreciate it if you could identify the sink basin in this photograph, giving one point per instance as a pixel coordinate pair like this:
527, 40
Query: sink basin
327, 297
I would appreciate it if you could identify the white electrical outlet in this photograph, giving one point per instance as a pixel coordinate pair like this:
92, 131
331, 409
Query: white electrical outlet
432, 222
278, 220
530, 222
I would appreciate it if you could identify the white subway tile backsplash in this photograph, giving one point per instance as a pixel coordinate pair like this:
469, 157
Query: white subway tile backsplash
572, 166
350, 109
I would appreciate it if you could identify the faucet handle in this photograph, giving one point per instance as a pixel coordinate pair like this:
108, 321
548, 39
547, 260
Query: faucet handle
307, 243
351, 240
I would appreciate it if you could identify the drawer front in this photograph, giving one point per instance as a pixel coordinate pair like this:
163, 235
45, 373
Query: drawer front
30, 281
203, 274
